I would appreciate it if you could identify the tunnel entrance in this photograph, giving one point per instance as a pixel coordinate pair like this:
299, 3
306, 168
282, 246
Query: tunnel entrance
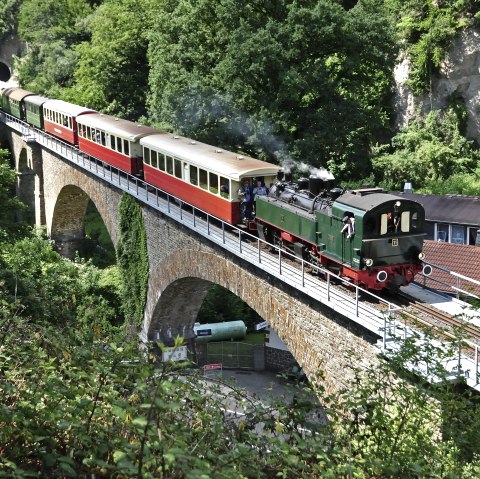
4, 72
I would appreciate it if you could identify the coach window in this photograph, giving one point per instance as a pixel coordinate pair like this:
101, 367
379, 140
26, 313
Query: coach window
126, 148
119, 144
193, 175
224, 187
161, 161
112, 142
203, 179
146, 155
103, 138
169, 162
213, 183
178, 168
154, 158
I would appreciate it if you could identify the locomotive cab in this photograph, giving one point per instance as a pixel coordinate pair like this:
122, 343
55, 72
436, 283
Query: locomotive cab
386, 251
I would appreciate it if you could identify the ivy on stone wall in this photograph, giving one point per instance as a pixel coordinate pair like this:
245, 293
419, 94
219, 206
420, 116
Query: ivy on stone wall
132, 260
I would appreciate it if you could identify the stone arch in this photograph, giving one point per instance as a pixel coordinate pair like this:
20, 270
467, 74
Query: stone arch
67, 226
68, 220
5, 72
178, 286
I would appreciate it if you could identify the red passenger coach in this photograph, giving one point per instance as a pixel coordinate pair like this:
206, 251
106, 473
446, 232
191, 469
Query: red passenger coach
113, 140
203, 175
60, 119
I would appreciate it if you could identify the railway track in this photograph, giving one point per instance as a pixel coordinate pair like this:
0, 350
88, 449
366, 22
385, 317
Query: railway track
446, 325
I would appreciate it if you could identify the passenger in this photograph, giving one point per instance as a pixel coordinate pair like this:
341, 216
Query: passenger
348, 226
225, 189
259, 190
245, 197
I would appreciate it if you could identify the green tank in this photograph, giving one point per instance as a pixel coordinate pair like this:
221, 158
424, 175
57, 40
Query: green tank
219, 331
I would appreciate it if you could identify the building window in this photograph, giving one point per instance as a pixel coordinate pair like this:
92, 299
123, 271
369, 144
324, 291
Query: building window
441, 233
458, 234
472, 234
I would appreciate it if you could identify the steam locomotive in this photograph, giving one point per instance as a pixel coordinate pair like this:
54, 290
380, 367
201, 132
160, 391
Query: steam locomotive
367, 235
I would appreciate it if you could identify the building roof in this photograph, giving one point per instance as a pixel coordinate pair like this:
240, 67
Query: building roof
461, 259
453, 209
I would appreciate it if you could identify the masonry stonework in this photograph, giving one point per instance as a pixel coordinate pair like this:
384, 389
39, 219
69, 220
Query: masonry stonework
183, 266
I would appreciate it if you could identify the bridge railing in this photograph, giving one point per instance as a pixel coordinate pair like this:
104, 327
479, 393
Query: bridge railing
459, 284
384, 320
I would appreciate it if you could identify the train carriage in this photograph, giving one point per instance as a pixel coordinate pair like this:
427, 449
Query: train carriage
114, 140
203, 175
34, 110
13, 101
60, 119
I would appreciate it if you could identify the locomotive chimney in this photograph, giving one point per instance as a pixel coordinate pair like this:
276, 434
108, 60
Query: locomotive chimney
407, 187
315, 185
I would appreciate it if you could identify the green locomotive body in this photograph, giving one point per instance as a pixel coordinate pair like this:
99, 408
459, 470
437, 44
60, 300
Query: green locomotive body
371, 237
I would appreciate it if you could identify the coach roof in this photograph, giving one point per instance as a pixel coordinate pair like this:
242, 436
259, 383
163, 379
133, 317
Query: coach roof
66, 108
116, 126
209, 157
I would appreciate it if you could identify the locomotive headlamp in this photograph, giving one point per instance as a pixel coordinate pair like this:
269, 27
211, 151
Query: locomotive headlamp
421, 255
368, 261
398, 204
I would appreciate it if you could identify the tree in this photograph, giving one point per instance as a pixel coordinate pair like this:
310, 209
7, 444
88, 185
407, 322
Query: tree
428, 151
8, 17
274, 82
112, 70
10, 227
50, 28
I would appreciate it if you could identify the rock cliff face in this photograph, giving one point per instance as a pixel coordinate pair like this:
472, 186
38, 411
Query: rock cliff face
459, 73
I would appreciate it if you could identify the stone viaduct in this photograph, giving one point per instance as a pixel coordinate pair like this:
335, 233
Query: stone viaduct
183, 265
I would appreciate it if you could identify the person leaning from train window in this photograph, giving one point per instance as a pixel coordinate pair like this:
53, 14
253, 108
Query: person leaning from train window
245, 197
224, 189
348, 226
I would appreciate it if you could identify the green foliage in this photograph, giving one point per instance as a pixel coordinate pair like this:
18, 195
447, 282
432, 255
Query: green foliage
221, 305
132, 259
73, 404
50, 288
426, 153
400, 426
427, 29
50, 28
303, 80
97, 245
8, 17
112, 68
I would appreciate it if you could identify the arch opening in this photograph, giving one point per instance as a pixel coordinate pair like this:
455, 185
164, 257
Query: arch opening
5, 73
78, 228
